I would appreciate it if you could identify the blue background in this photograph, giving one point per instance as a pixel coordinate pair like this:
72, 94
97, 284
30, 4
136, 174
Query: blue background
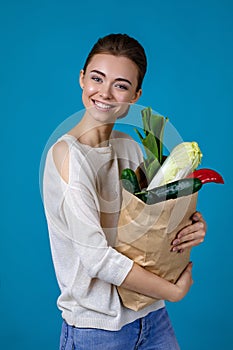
43, 46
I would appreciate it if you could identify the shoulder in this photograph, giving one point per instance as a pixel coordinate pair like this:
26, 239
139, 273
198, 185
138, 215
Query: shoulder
126, 147
120, 134
60, 152
121, 140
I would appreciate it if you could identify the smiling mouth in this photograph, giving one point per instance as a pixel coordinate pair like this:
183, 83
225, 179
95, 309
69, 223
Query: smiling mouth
103, 106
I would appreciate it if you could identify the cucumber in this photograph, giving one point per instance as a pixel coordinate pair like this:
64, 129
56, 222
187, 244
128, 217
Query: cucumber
130, 181
172, 190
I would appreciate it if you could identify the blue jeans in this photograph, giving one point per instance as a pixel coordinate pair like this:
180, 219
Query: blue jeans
152, 332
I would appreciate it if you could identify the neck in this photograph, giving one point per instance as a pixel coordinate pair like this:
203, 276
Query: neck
92, 134
96, 137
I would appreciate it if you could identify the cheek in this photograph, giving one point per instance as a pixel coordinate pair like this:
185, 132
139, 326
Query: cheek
89, 89
87, 93
124, 97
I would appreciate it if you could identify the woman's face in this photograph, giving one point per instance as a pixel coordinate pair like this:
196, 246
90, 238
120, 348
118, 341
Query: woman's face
109, 82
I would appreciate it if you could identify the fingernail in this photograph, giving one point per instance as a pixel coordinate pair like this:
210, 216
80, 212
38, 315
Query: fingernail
176, 241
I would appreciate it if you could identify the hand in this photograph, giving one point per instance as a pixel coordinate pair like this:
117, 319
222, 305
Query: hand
192, 235
183, 284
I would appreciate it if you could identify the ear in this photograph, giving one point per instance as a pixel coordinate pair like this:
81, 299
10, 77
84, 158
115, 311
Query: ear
136, 96
81, 78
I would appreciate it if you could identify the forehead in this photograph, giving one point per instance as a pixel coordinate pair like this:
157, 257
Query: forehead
118, 66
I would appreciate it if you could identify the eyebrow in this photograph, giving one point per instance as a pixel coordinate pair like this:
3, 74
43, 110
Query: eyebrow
117, 79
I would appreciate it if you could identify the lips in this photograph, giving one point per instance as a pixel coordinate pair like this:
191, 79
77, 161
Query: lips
102, 105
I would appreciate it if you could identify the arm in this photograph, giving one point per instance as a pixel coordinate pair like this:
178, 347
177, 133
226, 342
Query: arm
191, 235
147, 283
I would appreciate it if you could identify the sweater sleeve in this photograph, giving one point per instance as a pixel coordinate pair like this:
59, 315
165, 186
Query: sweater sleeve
88, 239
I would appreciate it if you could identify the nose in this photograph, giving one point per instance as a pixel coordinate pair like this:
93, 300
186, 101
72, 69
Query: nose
105, 91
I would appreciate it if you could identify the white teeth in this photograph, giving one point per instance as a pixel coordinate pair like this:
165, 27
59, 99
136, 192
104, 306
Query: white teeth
102, 105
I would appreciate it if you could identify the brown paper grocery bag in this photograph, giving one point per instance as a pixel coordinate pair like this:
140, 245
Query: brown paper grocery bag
145, 233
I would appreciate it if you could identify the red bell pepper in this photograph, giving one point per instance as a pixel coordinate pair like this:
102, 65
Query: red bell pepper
207, 175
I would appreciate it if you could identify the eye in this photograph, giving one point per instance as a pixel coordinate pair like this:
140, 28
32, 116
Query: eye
96, 78
121, 86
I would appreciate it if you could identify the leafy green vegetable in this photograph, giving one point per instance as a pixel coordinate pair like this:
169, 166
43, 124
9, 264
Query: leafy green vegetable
152, 141
183, 159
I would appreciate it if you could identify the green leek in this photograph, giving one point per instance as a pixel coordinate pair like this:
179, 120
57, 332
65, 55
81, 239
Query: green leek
152, 141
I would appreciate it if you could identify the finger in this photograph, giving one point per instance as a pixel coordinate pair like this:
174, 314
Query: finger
194, 238
196, 235
186, 245
190, 236
197, 216
190, 266
188, 269
197, 226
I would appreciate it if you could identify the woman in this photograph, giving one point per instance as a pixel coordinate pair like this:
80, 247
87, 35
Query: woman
82, 199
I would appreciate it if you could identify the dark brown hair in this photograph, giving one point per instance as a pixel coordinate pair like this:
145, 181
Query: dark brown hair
121, 45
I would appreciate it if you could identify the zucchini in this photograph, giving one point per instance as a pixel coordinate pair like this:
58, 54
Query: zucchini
172, 190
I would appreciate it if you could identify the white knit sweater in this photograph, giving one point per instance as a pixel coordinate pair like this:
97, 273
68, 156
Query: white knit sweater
82, 221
